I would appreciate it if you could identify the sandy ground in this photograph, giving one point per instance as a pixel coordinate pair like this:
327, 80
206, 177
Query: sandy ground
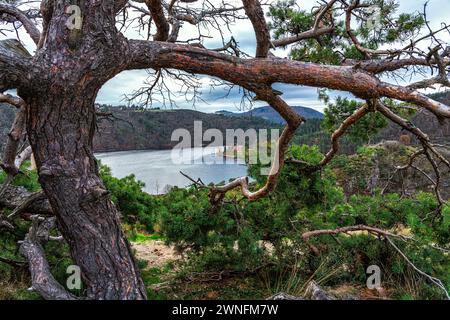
155, 252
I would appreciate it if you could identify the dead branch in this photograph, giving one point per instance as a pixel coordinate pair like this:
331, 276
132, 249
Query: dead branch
11, 160
27, 203
18, 198
31, 248
428, 149
307, 235
29, 25
371, 230
434, 280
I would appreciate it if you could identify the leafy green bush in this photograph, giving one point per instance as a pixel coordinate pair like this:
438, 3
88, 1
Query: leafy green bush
136, 206
27, 178
234, 234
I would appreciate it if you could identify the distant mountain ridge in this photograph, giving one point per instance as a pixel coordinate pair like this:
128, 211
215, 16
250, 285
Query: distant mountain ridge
269, 114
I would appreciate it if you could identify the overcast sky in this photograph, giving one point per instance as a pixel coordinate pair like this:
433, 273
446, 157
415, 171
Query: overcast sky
125, 83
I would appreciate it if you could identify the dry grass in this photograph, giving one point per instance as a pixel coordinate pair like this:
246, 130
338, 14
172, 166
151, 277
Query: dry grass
16, 291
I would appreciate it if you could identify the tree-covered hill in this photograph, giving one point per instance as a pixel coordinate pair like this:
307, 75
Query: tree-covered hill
271, 115
137, 129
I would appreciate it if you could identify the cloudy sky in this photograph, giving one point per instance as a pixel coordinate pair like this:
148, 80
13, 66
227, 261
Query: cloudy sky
125, 83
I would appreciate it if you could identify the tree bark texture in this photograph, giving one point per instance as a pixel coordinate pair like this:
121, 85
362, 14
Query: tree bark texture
60, 129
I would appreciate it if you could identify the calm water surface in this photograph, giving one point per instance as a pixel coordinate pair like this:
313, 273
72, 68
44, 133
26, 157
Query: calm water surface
161, 168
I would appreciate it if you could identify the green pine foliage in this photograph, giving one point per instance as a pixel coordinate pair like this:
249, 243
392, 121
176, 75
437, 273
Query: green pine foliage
243, 236
135, 205
265, 236
359, 133
390, 28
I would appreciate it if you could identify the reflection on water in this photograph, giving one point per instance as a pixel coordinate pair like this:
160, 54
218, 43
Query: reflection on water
161, 168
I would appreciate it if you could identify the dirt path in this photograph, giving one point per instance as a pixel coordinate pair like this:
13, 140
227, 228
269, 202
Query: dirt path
155, 252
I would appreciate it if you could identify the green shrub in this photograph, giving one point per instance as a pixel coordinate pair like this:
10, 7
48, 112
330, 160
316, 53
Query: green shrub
27, 178
135, 205
241, 235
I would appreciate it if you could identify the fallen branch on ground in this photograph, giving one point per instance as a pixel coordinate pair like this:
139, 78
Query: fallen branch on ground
372, 230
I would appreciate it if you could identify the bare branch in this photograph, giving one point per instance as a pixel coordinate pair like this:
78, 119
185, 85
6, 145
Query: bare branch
278, 152
427, 147
15, 198
29, 25
355, 117
307, 235
384, 65
27, 203
310, 34
434, 280
42, 279
379, 232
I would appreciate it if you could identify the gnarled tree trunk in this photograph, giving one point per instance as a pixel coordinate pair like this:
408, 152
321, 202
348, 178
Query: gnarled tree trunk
60, 128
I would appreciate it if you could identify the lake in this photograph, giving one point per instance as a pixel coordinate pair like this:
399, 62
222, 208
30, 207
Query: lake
161, 168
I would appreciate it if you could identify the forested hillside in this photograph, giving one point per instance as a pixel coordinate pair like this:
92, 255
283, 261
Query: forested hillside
271, 115
122, 128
